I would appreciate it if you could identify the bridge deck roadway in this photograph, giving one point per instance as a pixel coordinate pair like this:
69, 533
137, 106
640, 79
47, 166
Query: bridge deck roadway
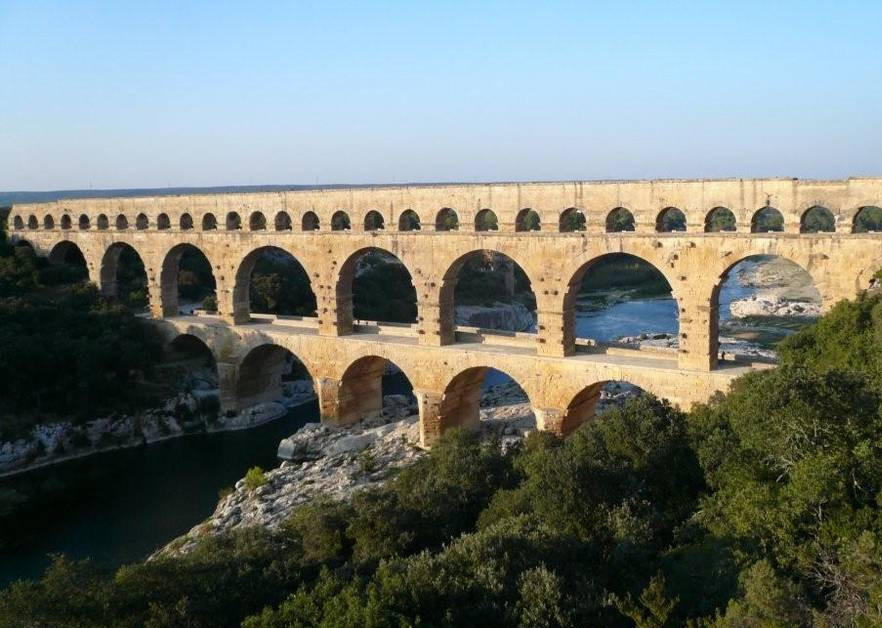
337, 366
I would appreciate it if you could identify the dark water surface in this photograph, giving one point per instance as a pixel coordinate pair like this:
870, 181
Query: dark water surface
119, 506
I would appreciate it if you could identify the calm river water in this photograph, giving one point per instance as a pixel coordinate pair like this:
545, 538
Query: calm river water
118, 507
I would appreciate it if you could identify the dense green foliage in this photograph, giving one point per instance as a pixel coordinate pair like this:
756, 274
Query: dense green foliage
64, 349
763, 508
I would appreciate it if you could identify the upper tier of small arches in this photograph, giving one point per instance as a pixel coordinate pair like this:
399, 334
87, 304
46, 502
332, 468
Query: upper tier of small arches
670, 219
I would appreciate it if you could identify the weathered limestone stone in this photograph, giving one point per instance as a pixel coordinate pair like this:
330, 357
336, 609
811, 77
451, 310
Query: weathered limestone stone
443, 362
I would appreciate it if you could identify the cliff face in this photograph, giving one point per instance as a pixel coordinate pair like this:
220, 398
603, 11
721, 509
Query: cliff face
505, 316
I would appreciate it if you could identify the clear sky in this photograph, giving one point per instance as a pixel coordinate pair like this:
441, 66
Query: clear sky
150, 94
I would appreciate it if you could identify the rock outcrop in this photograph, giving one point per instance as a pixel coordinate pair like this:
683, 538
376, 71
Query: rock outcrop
505, 316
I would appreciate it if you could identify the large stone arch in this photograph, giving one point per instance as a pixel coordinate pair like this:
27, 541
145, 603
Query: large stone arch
343, 284
450, 278
109, 271
360, 394
259, 373
168, 278
815, 269
242, 281
584, 264
460, 402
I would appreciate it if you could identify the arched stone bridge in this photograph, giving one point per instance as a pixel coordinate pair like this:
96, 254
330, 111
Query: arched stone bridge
433, 230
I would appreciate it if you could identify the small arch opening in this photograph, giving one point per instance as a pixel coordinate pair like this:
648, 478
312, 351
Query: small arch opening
527, 220
817, 219
868, 220
84, 222
122, 223
102, 223
374, 221
234, 221
257, 222
18, 222
310, 222
141, 222
283, 222
186, 222
48, 222
670, 219
209, 222
572, 219
409, 221
163, 222
720, 219
766, 220
33, 223
66, 221
486, 220
446, 220
340, 221
620, 219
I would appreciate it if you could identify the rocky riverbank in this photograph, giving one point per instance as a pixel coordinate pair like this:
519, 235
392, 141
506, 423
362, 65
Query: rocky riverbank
504, 316
191, 412
333, 463
731, 346
783, 289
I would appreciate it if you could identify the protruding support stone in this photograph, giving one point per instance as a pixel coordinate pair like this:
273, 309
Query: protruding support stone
555, 337
435, 322
429, 408
228, 380
698, 337
328, 391
334, 315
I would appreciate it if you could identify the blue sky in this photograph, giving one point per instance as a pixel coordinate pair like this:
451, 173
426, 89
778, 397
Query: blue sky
147, 94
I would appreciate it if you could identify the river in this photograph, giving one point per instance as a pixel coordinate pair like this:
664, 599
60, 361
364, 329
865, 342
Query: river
119, 506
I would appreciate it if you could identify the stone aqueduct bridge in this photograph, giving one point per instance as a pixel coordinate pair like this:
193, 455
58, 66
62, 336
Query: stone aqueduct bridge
446, 364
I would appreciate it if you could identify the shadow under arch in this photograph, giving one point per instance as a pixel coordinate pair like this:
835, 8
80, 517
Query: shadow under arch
199, 372
294, 286
170, 273
71, 262
363, 386
754, 325
123, 258
385, 300
461, 404
485, 276
593, 400
267, 373
596, 279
